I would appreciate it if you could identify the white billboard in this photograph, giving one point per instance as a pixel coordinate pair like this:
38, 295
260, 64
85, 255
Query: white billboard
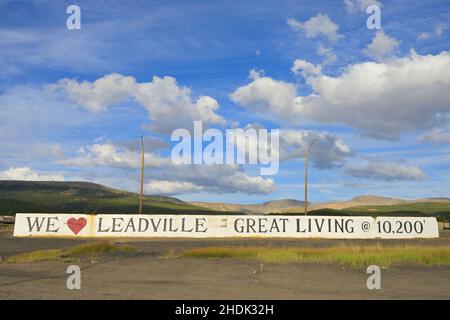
222, 226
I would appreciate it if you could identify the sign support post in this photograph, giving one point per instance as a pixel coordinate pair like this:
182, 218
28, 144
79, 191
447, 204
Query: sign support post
306, 175
141, 196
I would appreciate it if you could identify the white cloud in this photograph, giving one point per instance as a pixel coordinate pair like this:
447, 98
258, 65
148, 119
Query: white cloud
381, 47
96, 96
306, 69
265, 95
109, 154
28, 174
328, 151
381, 99
436, 136
168, 178
164, 187
320, 25
169, 105
438, 31
386, 171
329, 55
360, 5
217, 178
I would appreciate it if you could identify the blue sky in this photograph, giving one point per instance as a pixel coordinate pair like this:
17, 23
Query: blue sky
73, 102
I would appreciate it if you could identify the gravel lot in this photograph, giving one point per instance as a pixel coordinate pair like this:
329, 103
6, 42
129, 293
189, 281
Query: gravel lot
154, 272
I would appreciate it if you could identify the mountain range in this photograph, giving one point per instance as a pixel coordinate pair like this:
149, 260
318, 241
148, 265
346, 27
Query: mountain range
87, 197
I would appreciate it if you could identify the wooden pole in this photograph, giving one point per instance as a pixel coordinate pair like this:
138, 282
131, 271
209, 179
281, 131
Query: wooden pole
306, 175
142, 175
306, 184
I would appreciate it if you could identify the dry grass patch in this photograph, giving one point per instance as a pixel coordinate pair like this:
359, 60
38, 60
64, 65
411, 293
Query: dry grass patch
356, 256
35, 256
88, 249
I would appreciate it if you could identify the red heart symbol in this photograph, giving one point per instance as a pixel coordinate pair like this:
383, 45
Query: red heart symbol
76, 225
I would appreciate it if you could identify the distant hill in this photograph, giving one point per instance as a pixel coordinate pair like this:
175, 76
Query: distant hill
86, 197
83, 197
360, 205
291, 205
363, 200
264, 208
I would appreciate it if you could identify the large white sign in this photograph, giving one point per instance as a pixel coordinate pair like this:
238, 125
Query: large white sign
221, 226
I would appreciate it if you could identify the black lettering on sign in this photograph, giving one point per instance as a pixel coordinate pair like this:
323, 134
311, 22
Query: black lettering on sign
349, 228
199, 222
46, 224
141, 228
155, 227
183, 226
36, 224
240, 228
319, 227
299, 229
100, 226
250, 225
171, 228
117, 224
130, 226
339, 225
51, 224
262, 227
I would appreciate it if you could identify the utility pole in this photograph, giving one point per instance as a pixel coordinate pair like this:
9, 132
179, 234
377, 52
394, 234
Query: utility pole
142, 175
306, 175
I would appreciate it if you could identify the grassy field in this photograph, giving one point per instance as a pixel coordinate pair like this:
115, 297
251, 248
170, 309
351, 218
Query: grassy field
69, 254
83, 197
355, 256
434, 209
439, 210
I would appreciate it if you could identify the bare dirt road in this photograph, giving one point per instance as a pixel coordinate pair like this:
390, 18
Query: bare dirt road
155, 272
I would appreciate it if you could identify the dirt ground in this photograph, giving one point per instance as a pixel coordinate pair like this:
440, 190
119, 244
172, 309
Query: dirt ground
154, 272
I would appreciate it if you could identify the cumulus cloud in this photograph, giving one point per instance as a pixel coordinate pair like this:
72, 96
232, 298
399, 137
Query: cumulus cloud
164, 187
28, 174
168, 178
380, 99
109, 154
320, 25
327, 53
383, 99
388, 171
216, 178
381, 47
306, 69
265, 95
436, 135
169, 105
329, 150
96, 96
360, 5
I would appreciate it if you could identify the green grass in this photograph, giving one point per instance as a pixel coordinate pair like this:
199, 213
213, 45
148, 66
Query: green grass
441, 211
424, 207
88, 249
96, 248
35, 256
355, 256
